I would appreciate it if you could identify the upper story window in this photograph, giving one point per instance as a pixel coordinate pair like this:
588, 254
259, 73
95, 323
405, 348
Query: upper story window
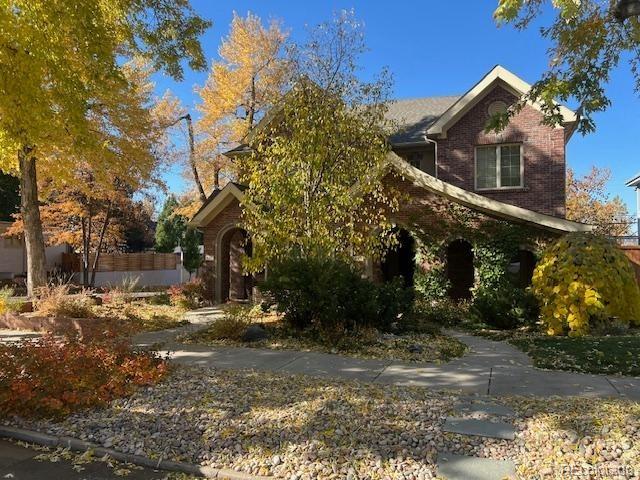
499, 166
415, 159
424, 160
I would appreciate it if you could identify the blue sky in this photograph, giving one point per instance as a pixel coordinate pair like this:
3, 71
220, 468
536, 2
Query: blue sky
440, 48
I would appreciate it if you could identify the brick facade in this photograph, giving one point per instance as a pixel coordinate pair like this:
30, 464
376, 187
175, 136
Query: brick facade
228, 218
543, 150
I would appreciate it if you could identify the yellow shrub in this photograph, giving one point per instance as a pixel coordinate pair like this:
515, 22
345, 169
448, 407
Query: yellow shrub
581, 278
6, 303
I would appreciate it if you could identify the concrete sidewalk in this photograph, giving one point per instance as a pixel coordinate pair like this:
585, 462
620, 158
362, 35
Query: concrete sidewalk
19, 463
493, 368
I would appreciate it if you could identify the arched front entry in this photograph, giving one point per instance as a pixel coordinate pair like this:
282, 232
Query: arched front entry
400, 260
231, 283
460, 270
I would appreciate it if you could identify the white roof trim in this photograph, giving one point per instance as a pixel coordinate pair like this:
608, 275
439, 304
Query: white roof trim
497, 75
484, 204
222, 200
634, 182
421, 179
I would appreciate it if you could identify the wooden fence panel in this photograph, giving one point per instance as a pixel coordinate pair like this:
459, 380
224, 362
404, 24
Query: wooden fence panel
125, 262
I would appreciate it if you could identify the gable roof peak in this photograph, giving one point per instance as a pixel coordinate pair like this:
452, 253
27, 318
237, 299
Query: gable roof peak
498, 75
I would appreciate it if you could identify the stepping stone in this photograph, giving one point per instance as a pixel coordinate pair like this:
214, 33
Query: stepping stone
460, 467
486, 408
480, 428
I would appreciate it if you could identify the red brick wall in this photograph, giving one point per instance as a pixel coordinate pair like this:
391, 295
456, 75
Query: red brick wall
543, 153
229, 216
236, 251
633, 253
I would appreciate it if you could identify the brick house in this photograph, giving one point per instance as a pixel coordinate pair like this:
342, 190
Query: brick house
440, 155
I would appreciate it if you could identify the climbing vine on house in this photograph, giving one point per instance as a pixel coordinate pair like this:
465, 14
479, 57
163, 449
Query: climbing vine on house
494, 243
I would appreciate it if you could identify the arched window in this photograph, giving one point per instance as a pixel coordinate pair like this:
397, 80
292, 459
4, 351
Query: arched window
460, 271
399, 261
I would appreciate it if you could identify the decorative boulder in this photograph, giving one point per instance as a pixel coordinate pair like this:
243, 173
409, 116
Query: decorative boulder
415, 349
254, 333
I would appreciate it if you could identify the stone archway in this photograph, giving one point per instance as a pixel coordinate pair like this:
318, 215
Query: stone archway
460, 270
232, 284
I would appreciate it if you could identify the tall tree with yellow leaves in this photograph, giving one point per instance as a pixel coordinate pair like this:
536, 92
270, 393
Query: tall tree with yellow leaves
61, 63
249, 78
81, 206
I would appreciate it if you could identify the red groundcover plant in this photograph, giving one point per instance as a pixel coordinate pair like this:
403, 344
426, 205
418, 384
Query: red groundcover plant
53, 376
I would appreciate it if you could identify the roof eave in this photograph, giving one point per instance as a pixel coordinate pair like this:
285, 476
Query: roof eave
488, 206
634, 182
215, 201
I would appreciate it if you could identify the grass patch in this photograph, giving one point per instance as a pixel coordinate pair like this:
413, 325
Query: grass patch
613, 355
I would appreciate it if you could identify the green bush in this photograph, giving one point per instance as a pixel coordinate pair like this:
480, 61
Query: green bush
442, 312
583, 280
505, 307
159, 299
330, 296
394, 302
432, 283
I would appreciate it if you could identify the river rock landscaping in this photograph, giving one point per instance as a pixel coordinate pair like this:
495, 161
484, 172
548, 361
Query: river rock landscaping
299, 427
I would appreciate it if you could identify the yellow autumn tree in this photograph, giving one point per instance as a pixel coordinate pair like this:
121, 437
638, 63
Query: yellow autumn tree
60, 60
588, 39
246, 81
80, 206
243, 85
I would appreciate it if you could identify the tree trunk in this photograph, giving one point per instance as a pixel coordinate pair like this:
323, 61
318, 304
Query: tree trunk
85, 253
192, 154
216, 179
30, 209
103, 231
192, 158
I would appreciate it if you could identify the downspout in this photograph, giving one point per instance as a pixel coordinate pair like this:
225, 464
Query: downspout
435, 144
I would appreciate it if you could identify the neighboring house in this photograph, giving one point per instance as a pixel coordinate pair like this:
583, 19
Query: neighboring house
442, 155
13, 255
635, 183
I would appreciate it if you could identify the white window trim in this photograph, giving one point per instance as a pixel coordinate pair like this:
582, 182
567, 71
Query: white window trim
498, 166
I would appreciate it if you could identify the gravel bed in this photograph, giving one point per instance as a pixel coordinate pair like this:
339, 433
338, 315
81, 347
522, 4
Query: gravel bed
298, 427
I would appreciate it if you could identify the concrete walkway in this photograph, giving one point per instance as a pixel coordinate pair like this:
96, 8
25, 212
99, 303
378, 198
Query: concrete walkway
489, 368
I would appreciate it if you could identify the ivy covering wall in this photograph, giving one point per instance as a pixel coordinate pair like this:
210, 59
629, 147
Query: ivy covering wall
494, 243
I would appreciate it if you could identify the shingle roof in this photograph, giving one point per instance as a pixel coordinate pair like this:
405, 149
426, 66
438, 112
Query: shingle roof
413, 116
